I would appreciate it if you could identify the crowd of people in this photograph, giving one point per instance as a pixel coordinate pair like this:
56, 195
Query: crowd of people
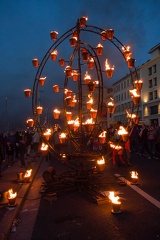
143, 139
17, 145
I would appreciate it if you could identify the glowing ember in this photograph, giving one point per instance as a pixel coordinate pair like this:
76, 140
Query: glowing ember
114, 199
122, 131
11, 195
107, 65
28, 173
134, 174
101, 161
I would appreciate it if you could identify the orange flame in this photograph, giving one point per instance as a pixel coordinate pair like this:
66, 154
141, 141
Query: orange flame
107, 65
113, 198
134, 174
11, 195
28, 173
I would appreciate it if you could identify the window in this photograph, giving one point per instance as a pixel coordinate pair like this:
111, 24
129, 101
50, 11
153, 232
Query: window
122, 96
124, 84
127, 82
150, 95
155, 81
155, 94
154, 109
150, 83
154, 68
149, 71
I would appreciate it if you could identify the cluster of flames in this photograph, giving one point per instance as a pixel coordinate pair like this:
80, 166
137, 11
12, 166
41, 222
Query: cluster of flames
114, 199
122, 131
134, 174
44, 147
115, 146
107, 66
101, 161
11, 194
28, 173
102, 135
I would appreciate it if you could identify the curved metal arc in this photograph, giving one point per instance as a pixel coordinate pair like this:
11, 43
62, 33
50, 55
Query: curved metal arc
43, 63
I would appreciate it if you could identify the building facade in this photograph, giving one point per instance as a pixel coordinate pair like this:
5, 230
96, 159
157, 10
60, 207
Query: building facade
149, 109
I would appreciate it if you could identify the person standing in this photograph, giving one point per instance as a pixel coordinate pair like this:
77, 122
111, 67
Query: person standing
2, 153
28, 139
9, 153
144, 140
36, 142
22, 151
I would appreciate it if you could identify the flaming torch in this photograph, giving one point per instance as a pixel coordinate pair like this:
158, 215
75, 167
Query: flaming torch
93, 113
89, 124
99, 49
54, 55
109, 70
87, 78
135, 96
126, 52
90, 103
47, 133
12, 197
138, 84
56, 113
102, 137
101, 164
30, 122
90, 63
44, 149
124, 134
62, 137
116, 205
27, 175
134, 177
111, 107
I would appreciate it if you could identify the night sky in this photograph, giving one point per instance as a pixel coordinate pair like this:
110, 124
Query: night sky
25, 27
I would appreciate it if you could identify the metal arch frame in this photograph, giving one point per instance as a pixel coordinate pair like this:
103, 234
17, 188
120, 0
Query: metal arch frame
87, 28
99, 76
